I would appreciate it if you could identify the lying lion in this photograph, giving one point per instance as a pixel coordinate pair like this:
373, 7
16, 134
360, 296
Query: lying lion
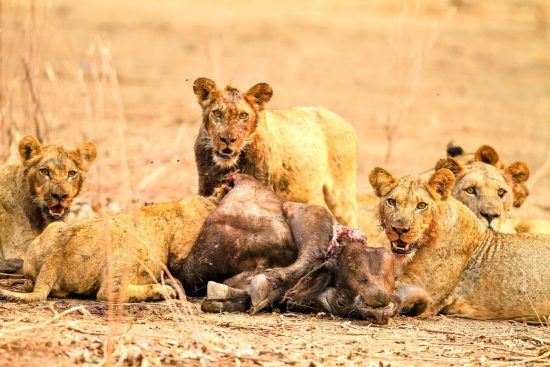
483, 183
118, 256
304, 154
36, 191
485, 189
489, 155
489, 187
465, 268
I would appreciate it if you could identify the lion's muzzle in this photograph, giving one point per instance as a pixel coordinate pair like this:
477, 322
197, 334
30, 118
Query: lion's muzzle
403, 248
58, 206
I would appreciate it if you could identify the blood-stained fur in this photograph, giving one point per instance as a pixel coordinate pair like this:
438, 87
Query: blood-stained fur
305, 154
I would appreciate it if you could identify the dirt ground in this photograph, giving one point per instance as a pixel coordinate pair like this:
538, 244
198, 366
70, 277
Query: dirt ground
69, 332
410, 76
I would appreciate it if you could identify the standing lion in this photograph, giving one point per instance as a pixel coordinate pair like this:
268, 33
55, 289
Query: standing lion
306, 154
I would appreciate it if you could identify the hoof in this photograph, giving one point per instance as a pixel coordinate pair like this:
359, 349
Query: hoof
217, 306
259, 307
218, 291
222, 298
259, 289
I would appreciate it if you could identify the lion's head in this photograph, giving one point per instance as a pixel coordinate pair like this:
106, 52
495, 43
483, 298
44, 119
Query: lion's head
489, 155
230, 117
54, 174
409, 206
485, 189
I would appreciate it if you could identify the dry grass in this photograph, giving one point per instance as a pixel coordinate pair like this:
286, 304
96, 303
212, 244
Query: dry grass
410, 76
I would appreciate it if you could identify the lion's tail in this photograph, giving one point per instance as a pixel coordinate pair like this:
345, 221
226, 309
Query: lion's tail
34, 296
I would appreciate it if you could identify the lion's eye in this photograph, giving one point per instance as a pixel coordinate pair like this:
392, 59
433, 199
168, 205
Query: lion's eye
243, 115
501, 192
217, 113
44, 172
72, 174
471, 190
391, 202
421, 205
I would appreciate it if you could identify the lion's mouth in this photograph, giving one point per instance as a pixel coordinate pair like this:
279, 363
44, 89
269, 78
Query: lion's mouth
56, 212
226, 154
226, 159
403, 248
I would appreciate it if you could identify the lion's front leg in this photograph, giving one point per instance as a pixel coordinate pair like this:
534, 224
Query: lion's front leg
411, 300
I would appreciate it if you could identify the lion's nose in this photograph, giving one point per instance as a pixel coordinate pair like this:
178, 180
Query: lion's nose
401, 230
489, 216
227, 140
59, 197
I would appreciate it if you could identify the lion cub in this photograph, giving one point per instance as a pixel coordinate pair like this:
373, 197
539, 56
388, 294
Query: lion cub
38, 190
120, 255
304, 154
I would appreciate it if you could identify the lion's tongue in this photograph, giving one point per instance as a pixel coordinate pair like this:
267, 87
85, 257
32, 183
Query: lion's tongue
58, 209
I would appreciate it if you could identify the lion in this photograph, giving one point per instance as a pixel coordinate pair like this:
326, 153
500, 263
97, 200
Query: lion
489, 187
466, 269
117, 256
305, 154
37, 190
489, 155
485, 189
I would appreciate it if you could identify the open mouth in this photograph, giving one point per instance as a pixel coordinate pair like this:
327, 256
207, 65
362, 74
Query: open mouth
56, 212
224, 155
402, 248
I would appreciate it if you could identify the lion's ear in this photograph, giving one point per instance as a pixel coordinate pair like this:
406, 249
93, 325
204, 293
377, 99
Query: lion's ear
206, 91
521, 192
29, 147
88, 153
456, 168
259, 95
442, 182
381, 181
518, 172
487, 154
454, 150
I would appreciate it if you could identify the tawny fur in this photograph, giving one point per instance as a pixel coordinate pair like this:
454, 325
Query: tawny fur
119, 256
304, 154
27, 185
467, 269
485, 189
527, 225
482, 169
368, 219
473, 166
489, 155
